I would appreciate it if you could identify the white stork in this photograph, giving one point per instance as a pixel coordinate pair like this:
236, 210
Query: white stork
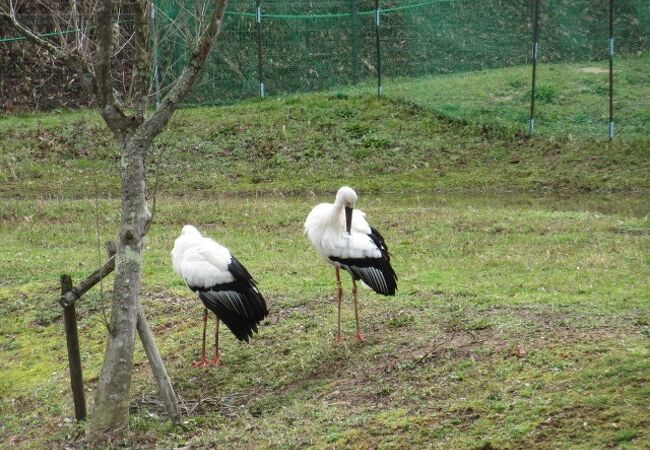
223, 285
344, 239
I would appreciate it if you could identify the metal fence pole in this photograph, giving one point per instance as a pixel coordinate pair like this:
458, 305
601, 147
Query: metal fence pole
156, 52
534, 55
611, 70
378, 45
355, 40
258, 32
74, 358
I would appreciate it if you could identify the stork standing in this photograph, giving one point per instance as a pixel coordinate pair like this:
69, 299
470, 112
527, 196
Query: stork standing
223, 285
344, 239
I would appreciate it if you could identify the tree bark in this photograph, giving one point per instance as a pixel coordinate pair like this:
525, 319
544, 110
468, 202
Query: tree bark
111, 411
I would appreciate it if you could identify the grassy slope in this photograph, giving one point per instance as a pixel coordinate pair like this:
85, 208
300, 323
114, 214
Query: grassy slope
316, 142
520, 321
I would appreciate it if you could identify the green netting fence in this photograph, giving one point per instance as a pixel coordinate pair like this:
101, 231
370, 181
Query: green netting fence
466, 59
469, 60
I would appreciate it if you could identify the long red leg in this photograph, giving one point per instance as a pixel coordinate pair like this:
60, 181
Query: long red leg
217, 356
339, 297
203, 362
359, 337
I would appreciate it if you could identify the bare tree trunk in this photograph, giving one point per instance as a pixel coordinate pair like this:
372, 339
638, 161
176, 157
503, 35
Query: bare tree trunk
135, 133
111, 409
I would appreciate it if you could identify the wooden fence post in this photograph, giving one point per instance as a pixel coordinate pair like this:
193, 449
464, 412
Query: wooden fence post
611, 70
354, 18
74, 358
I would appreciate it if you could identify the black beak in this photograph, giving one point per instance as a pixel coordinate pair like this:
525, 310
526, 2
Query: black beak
348, 218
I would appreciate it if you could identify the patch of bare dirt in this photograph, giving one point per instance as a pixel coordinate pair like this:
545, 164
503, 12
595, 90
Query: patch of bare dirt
560, 418
543, 326
233, 404
593, 70
279, 315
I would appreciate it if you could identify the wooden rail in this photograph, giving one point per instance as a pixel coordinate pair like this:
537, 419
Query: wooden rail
74, 293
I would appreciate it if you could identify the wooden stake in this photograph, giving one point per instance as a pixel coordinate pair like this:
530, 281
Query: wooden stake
74, 358
158, 368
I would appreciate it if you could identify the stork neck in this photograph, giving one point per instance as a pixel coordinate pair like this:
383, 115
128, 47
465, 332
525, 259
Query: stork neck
337, 212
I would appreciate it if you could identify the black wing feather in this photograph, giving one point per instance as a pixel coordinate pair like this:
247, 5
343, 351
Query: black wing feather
379, 241
375, 272
238, 304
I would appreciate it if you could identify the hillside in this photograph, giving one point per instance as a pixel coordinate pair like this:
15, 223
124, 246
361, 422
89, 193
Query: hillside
314, 143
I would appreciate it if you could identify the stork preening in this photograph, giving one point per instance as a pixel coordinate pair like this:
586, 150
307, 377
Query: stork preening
223, 285
344, 239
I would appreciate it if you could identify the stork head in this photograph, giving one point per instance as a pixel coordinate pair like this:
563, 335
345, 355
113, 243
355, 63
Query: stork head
188, 238
347, 198
189, 230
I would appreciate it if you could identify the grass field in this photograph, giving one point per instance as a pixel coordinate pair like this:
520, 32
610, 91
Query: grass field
522, 317
519, 322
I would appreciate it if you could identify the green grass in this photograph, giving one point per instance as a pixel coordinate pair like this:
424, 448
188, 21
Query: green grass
520, 321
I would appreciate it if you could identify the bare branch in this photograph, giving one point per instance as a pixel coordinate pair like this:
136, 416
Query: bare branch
75, 293
104, 79
174, 25
141, 81
155, 124
111, 110
71, 58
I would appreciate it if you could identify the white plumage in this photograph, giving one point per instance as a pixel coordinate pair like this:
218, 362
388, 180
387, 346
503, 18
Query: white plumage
344, 239
325, 228
222, 283
201, 261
